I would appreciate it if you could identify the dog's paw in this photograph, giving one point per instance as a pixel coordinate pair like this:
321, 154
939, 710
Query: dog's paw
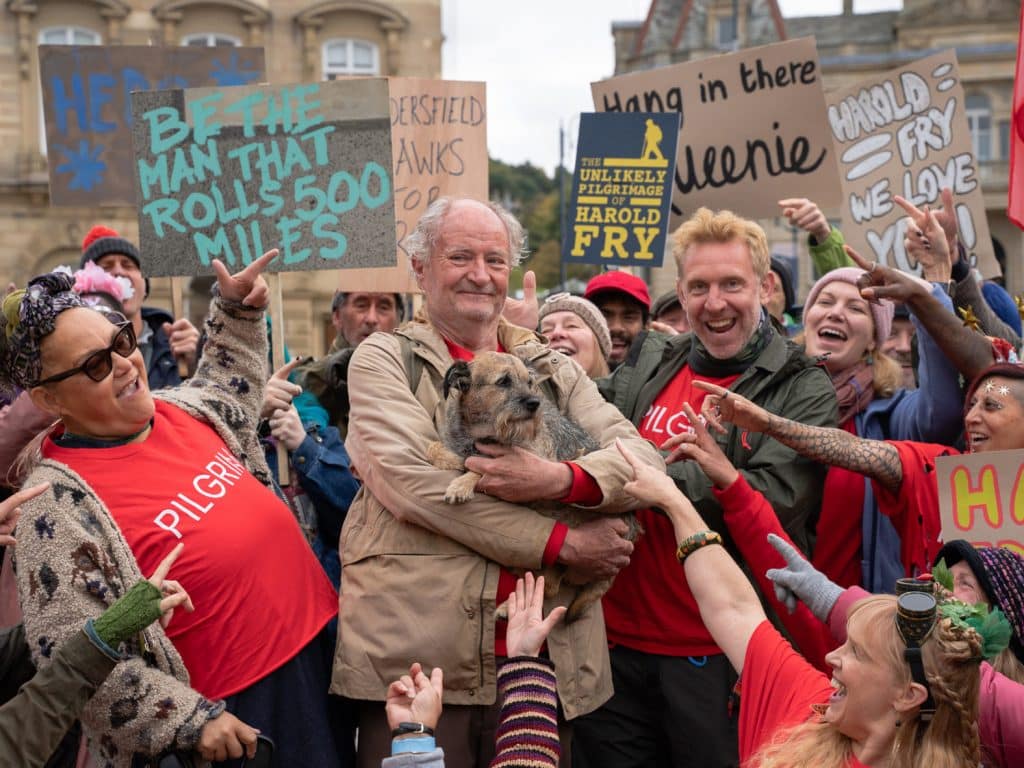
461, 489
501, 612
442, 457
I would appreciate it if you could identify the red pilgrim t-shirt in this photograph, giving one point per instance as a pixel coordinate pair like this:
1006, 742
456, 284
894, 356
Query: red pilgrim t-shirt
650, 607
260, 595
839, 547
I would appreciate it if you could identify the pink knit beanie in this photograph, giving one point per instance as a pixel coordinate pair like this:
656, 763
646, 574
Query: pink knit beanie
881, 310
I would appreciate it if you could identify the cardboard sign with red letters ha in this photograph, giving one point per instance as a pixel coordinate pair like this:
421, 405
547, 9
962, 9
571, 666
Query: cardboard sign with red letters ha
981, 498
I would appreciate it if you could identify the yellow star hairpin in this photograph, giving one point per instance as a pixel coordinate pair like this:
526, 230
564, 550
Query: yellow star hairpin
970, 319
1019, 301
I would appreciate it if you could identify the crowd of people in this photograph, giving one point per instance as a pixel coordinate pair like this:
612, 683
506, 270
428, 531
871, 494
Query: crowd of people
790, 601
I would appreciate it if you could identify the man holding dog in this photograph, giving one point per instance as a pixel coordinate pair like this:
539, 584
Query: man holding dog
423, 577
672, 704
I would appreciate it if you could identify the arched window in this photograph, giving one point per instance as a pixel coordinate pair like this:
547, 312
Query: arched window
345, 57
979, 120
210, 40
61, 36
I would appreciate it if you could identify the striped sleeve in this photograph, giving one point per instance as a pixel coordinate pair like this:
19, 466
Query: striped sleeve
528, 731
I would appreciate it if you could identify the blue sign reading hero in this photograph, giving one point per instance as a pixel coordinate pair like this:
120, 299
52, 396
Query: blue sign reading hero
622, 189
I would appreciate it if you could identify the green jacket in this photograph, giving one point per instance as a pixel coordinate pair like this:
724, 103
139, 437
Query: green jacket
782, 380
36, 719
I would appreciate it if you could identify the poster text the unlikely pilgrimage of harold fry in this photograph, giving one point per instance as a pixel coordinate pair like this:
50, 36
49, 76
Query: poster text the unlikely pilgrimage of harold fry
981, 498
86, 92
622, 189
229, 173
905, 133
753, 127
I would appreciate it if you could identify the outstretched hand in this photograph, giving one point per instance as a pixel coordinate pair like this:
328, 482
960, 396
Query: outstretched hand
926, 242
174, 594
527, 626
800, 580
248, 285
697, 443
415, 698
723, 405
882, 282
945, 216
649, 484
806, 214
10, 511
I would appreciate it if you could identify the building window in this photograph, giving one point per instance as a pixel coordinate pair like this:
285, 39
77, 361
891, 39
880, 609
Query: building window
350, 57
725, 32
210, 40
61, 36
1004, 139
68, 36
979, 120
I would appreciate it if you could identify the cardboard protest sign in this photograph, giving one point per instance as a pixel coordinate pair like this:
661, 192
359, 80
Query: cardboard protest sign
981, 498
622, 189
232, 172
439, 146
905, 133
87, 108
752, 131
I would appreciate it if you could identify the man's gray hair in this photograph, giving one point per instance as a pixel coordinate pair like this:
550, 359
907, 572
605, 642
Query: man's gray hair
423, 239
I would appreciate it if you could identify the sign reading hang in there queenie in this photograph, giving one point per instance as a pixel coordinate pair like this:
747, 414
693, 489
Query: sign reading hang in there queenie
622, 189
753, 128
905, 133
87, 107
229, 173
439, 146
981, 498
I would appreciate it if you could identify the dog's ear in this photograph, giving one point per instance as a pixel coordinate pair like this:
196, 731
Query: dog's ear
458, 376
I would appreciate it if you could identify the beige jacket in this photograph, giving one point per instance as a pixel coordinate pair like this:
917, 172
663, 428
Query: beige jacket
419, 575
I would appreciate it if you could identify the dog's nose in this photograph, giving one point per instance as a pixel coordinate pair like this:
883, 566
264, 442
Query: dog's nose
531, 403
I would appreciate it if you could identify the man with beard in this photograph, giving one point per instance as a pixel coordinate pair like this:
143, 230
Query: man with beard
625, 304
672, 683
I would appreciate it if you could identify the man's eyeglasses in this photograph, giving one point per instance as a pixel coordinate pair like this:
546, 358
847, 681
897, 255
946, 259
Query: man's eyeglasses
99, 364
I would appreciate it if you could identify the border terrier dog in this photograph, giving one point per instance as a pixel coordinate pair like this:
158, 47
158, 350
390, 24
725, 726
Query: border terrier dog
495, 399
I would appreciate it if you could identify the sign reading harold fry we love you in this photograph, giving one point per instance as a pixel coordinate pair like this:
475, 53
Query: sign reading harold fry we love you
981, 498
229, 173
905, 133
622, 189
752, 127
88, 113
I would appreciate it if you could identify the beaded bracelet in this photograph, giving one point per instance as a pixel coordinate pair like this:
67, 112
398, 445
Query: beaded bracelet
692, 543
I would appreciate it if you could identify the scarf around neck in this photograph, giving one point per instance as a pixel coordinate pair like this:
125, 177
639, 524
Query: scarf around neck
855, 389
703, 364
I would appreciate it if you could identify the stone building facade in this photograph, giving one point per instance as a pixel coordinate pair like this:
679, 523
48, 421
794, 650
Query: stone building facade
304, 40
853, 47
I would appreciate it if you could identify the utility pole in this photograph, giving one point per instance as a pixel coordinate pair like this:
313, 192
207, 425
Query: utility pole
559, 179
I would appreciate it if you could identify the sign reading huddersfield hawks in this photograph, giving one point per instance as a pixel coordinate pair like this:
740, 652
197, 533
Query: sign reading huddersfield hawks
622, 189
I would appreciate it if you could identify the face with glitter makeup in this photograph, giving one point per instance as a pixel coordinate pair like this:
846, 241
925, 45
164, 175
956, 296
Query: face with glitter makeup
995, 416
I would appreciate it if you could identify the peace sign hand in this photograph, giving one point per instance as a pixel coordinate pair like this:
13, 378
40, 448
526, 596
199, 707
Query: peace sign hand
247, 286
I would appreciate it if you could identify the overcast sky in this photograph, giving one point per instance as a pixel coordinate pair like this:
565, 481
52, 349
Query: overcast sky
538, 58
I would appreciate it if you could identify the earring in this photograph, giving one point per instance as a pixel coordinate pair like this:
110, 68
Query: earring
869, 359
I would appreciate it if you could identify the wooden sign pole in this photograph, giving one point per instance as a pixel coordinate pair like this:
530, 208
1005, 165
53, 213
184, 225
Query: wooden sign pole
277, 360
178, 310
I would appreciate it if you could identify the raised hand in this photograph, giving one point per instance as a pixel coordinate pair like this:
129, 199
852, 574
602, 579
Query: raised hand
724, 405
248, 285
10, 511
805, 214
801, 580
883, 282
280, 392
698, 444
524, 312
527, 626
415, 698
946, 217
926, 241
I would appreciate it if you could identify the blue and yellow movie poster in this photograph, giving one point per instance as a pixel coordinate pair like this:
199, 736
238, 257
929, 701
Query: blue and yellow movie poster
622, 189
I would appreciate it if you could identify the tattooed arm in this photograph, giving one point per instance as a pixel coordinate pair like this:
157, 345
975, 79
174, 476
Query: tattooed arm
836, 447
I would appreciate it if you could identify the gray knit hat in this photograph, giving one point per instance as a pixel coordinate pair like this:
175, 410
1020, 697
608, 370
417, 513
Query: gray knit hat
586, 310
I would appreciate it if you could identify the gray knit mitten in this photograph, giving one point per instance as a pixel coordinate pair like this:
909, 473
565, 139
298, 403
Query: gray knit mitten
800, 580
136, 610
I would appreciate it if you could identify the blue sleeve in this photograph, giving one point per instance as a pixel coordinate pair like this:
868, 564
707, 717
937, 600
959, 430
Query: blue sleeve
1002, 304
325, 474
932, 412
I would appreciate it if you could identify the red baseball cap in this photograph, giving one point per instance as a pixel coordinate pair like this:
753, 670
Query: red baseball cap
620, 282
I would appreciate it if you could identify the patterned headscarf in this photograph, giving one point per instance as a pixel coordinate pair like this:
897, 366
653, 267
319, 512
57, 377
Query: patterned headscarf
29, 316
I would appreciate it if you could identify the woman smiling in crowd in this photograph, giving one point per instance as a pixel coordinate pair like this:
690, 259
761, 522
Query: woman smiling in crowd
576, 328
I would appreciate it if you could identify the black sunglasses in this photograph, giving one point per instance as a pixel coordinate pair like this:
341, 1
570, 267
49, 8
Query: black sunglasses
100, 363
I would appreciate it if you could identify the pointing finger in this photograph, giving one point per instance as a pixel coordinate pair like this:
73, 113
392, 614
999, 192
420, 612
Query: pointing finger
165, 565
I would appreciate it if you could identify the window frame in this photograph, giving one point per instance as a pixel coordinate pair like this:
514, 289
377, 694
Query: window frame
349, 70
976, 115
211, 38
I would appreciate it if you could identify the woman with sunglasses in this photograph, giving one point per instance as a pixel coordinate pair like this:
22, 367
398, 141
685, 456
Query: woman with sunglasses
877, 710
131, 472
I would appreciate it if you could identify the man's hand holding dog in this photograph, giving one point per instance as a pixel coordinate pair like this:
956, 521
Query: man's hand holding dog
596, 550
518, 476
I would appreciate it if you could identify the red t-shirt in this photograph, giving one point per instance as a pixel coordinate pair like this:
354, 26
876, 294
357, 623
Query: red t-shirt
838, 551
778, 688
260, 595
914, 509
650, 607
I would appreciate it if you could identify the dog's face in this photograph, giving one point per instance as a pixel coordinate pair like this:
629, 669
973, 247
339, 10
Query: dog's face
497, 398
